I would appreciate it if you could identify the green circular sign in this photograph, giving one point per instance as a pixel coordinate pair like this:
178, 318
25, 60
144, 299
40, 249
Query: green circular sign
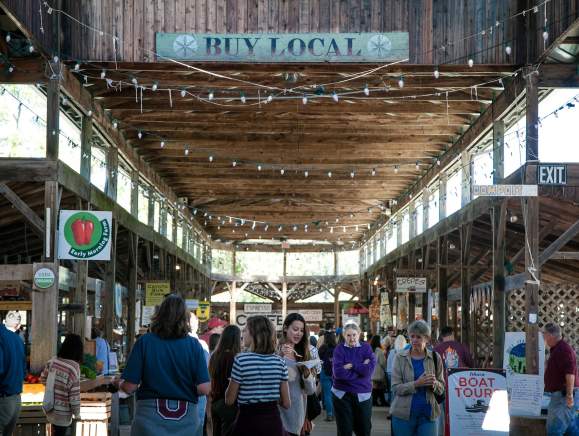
44, 278
83, 231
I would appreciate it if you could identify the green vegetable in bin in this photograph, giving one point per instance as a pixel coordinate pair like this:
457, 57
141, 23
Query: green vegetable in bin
87, 372
89, 361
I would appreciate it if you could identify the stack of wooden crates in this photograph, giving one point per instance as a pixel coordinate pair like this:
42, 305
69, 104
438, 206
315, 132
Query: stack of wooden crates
95, 413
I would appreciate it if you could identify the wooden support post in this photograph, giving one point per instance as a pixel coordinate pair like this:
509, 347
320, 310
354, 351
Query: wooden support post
442, 283
499, 219
425, 206
45, 304
337, 305
53, 111
110, 280
454, 309
86, 148
151, 209
465, 237
284, 287
233, 291
411, 295
135, 193
426, 310
530, 208
132, 288
443, 178
112, 172
466, 178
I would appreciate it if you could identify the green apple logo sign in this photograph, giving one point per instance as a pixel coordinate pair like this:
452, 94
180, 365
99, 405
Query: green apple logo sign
84, 235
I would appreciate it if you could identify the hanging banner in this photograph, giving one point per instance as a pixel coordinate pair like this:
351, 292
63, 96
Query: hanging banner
84, 235
155, 292
203, 312
470, 393
284, 47
514, 360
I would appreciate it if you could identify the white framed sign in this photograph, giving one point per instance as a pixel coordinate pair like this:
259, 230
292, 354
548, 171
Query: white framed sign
312, 315
514, 356
257, 308
505, 190
411, 284
84, 235
552, 174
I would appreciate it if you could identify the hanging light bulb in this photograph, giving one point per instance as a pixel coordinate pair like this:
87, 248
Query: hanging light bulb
282, 171
140, 135
183, 93
545, 35
134, 81
210, 158
508, 50
401, 82
77, 66
368, 226
437, 162
253, 226
155, 86
242, 98
210, 96
269, 98
162, 144
64, 101
366, 90
352, 174
373, 171
8, 37
306, 228
295, 228
306, 173
279, 228
335, 97
11, 69
30, 48
305, 99
470, 62
417, 165
115, 124
259, 168
103, 74
338, 220
331, 230
396, 169
436, 73
186, 150
234, 164
330, 174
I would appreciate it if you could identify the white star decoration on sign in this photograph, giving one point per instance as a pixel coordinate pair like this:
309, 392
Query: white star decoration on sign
379, 45
185, 45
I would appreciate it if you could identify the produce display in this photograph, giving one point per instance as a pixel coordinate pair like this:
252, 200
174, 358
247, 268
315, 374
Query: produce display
32, 393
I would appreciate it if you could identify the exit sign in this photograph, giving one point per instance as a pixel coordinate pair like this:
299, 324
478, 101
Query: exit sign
552, 174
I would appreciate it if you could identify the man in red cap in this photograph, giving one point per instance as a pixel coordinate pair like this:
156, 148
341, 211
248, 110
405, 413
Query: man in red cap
215, 325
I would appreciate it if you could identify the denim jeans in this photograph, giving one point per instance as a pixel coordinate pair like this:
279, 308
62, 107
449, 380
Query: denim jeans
201, 405
562, 420
326, 381
417, 425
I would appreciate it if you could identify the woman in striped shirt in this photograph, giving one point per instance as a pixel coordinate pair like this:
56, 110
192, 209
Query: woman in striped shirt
259, 381
66, 402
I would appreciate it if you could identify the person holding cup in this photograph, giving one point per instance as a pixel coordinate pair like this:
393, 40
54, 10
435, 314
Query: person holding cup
416, 378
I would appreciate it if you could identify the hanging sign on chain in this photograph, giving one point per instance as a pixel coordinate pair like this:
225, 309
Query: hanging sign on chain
411, 284
284, 47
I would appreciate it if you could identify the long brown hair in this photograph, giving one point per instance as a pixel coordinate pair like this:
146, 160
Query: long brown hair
303, 346
171, 320
262, 332
229, 343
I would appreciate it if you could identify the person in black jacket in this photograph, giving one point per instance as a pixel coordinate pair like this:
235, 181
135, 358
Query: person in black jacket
326, 353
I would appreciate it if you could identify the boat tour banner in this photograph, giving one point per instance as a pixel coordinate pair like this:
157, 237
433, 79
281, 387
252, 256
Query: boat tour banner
283, 47
84, 235
474, 402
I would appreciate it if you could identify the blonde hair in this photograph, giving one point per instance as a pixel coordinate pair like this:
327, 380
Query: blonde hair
399, 343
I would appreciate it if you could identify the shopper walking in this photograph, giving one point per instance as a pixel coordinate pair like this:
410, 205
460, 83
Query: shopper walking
399, 345
168, 370
295, 348
259, 381
327, 356
416, 378
379, 374
220, 366
453, 353
62, 379
562, 383
353, 365
12, 370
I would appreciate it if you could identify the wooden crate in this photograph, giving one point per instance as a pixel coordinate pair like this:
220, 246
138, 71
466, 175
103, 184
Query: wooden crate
91, 428
32, 422
95, 406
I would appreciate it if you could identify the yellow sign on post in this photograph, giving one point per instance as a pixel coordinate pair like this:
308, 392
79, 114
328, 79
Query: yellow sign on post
155, 292
203, 311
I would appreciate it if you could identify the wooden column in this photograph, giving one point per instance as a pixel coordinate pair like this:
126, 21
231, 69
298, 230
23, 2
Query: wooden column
442, 196
112, 172
499, 218
284, 287
44, 327
426, 312
425, 196
411, 295
337, 305
442, 280
531, 219
85, 147
151, 209
465, 282
132, 288
233, 290
466, 178
135, 193
110, 279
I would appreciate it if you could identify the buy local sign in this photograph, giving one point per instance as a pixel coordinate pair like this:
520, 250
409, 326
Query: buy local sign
284, 47
84, 235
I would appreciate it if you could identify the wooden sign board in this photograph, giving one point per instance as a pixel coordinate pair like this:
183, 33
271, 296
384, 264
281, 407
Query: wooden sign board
411, 284
284, 47
505, 190
552, 174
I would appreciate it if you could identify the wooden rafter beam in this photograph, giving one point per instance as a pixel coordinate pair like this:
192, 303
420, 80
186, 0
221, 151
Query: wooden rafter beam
559, 243
36, 222
565, 255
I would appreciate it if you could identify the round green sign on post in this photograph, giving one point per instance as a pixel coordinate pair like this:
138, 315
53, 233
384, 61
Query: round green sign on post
44, 278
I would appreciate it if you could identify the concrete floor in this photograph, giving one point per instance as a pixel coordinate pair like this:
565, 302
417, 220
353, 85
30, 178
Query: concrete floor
380, 425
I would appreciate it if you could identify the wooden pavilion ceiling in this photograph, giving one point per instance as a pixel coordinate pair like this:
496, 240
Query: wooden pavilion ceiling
391, 127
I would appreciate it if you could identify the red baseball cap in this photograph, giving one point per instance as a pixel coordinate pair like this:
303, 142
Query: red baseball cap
216, 322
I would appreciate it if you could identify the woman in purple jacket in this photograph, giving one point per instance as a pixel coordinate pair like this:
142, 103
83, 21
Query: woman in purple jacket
353, 365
